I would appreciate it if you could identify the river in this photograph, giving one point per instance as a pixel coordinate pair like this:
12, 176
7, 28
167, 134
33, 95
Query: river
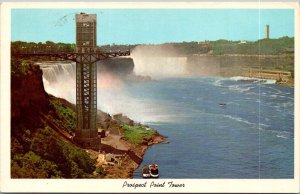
217, 127
221, 128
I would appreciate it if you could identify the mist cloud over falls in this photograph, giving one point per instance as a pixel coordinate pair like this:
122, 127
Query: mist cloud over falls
159, 61
169, 61
113, 93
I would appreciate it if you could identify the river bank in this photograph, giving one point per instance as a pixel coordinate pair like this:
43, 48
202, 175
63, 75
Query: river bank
120, 157
279, 77
123, 144
276, 67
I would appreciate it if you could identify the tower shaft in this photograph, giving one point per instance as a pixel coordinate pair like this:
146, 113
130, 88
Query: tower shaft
86, 81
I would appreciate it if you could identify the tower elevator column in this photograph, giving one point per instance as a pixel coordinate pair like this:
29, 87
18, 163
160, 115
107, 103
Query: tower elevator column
86, 133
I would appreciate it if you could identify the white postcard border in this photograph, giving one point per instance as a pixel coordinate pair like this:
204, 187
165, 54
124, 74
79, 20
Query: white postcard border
116, 185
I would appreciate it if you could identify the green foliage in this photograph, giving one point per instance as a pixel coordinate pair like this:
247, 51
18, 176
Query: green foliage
136, 134
24, 67
67, 115
219, 47
51, 157
25, 47
40, 152
79, 159
293, 74
71, 161
26, 138
263, 46
20, 67
100, 171
31, 165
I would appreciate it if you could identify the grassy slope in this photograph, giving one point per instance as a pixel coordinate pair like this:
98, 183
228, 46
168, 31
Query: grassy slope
137, 134
66, 116
49, 156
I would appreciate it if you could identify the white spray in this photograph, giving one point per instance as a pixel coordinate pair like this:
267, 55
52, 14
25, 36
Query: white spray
112, 94
158, 62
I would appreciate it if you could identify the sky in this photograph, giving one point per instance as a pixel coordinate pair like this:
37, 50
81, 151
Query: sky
153, 26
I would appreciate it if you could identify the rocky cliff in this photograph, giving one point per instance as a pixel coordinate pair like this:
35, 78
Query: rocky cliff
42, 128
39, 147
28, 97
121, 66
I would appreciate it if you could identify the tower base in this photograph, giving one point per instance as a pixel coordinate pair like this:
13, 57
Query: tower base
88, 139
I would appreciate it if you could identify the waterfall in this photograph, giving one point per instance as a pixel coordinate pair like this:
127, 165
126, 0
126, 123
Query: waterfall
60, 79
53, 71
160, 67
113, 94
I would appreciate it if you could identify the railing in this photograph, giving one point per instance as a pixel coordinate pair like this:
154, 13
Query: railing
72, 56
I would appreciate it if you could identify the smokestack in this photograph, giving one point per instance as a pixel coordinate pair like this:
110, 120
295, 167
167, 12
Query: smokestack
267, 32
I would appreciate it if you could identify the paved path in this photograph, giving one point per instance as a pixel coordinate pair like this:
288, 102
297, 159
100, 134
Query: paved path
114, 141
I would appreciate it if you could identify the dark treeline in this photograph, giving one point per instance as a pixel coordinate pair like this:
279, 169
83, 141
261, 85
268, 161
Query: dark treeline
218, 47
277, 46
48, 46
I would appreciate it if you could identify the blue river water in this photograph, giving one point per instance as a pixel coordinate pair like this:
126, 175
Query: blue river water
219, 127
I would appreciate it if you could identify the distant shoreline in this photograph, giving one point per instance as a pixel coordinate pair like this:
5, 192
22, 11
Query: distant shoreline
288, 83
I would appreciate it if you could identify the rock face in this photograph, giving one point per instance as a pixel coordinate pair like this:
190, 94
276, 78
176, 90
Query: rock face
41, 146
204, 65
28, 98
121, 66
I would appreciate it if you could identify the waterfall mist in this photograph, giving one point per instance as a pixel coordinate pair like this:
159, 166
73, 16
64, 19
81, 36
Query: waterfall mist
112, 92
159, 62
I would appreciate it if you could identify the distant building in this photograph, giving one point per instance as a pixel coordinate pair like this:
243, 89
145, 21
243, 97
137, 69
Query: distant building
267, 32
121, 119
242, 42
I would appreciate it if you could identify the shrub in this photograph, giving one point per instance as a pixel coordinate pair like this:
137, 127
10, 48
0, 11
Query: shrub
67, 115
31, 165
100, 171
136, 134
71, 161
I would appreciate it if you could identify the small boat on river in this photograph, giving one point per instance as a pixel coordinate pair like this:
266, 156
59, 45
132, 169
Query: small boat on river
150, 171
